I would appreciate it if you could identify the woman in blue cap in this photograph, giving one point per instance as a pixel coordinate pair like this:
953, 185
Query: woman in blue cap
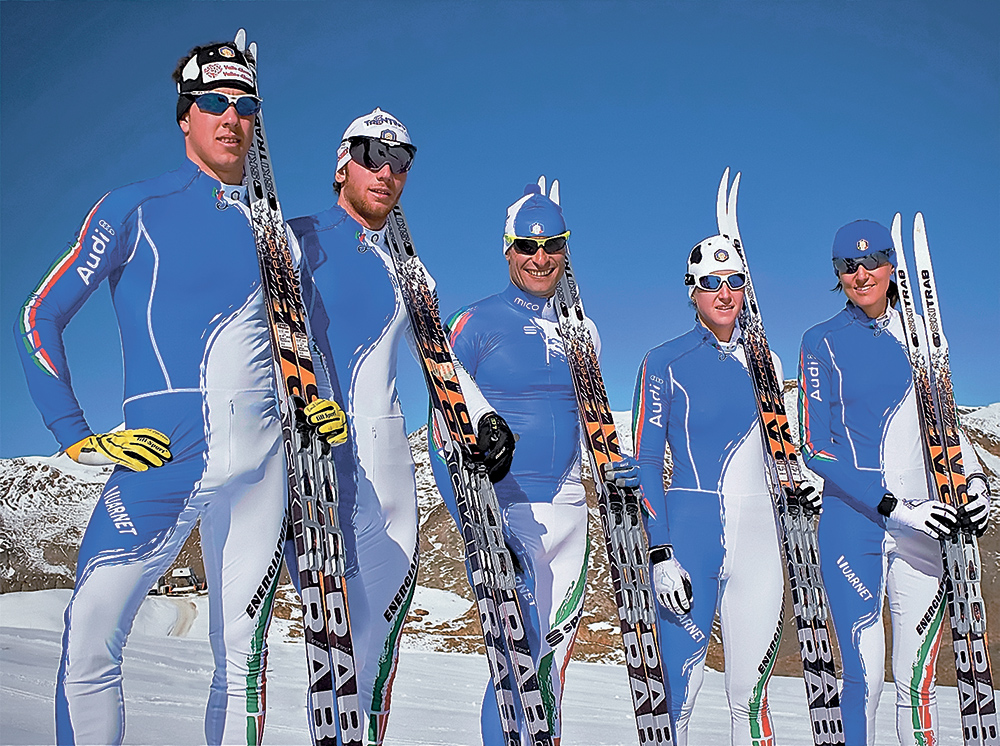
881, 528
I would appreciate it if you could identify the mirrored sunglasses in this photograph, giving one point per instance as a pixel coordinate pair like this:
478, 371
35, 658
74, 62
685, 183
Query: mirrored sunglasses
374, 154
848, 266
214, 102
529, 246
712, 283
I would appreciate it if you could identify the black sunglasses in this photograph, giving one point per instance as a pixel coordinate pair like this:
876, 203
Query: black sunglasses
374, 154
848, 266
530, 246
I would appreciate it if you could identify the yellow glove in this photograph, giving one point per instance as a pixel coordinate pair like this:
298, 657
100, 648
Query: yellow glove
326, 416
136, 449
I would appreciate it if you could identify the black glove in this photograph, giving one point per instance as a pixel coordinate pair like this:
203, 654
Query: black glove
806, 497
496, 445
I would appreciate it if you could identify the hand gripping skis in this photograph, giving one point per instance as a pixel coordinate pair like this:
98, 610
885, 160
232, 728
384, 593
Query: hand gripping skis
784, 475
624, 534
312, 480
928, 351
486, 556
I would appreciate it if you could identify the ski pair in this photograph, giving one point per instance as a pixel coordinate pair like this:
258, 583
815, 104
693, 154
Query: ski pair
621, 517
312, 478
797, 527
487, 558
928, 352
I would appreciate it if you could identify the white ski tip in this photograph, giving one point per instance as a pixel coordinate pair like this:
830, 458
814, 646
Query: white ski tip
253, 52
725, 206
554, 191
897, 233
541, 183
241, 40
720, 202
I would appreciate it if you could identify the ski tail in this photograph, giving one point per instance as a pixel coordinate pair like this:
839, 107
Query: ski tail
928, 351
488, 562
335, 716
621, 519
784, 474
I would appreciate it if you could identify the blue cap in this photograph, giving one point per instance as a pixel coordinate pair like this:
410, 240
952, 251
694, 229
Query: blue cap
534, 215
863, 237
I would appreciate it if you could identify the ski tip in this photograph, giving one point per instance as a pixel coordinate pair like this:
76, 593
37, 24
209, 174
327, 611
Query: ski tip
720, 200
554, 191
541, 183
897, 233
241, 40
725, 206
253, 51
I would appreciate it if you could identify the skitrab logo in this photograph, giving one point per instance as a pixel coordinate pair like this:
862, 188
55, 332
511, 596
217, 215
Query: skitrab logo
536, 229
862, 245
226, 52
721, 255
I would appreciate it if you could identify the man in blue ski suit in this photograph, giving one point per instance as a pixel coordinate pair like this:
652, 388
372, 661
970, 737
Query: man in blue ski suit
358, 318
510, 344
880, 531
202, 438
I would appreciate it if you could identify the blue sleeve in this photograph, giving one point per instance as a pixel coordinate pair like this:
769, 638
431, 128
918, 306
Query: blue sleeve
818, 409
97, 251
650, 415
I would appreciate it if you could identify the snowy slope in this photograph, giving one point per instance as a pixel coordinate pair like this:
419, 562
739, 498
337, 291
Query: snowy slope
435, 701
45, 503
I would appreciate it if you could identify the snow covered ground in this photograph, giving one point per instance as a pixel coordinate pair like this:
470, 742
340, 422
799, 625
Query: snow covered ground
435, 700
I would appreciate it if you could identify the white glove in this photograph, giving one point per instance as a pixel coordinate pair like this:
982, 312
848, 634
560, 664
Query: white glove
671, 583
975, 515
932, 517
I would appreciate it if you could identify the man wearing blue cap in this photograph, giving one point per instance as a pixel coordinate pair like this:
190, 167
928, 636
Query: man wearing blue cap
881, 527
510, 344
358, 321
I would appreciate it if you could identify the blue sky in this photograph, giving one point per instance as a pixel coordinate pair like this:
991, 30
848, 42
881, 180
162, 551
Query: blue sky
833, 111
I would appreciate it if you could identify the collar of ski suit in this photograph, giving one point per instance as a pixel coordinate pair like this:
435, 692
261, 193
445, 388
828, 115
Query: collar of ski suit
878, 325
227, 194
709, 338
530, 304
365, 236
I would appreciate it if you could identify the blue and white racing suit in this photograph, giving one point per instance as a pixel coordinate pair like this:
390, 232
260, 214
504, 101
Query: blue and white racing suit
178, 253
860, 432
358, 320
694, 402
511, 346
